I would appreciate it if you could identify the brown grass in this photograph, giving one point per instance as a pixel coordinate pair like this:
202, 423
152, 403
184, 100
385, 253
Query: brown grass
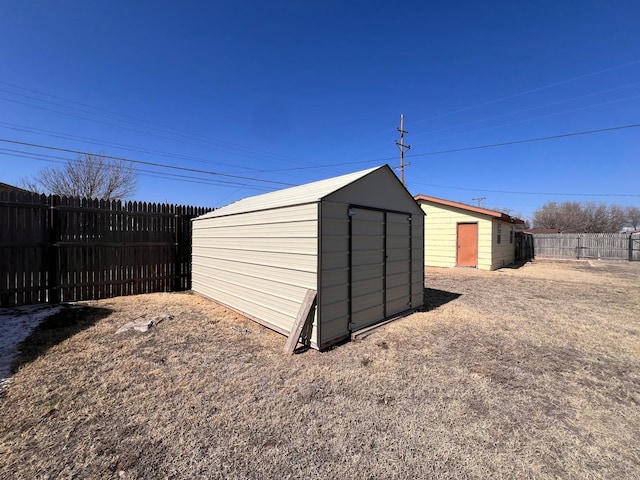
521, 373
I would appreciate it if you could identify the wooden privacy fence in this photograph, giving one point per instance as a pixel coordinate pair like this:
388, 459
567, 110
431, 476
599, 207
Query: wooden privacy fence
524, 247
606, 246
57, 249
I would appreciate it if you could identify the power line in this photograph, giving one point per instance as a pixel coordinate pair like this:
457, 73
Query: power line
515, 95
142, 162
528, 140
476, 147
164, 129
537, 107
530, 119
533, 90
383, 159
220, 182
142, 172
95, 141
530, 193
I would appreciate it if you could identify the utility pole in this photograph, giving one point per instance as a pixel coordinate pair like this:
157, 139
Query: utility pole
479, 200
402, 147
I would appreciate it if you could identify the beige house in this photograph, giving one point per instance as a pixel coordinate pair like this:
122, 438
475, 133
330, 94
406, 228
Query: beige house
462, 235
356, 239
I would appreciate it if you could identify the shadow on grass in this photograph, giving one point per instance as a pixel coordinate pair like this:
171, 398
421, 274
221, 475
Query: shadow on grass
434, 298
71, 319
516, 265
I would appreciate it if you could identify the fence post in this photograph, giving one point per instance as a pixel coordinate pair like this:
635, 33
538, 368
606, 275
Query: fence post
631, 247
177, 211
578, 248
54, 274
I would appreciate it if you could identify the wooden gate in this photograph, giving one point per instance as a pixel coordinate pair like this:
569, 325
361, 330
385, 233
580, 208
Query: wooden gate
634, 247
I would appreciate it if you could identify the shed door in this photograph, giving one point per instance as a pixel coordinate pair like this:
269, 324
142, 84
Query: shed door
367, 267
380, 265
467, 245
398, 268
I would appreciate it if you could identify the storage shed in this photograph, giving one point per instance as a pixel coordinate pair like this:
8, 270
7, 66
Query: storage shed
457, 234
356, 239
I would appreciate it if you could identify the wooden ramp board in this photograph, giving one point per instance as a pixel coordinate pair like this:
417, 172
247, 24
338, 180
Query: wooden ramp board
302, 318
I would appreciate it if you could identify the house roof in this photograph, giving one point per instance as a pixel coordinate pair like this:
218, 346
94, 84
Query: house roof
298, 195
469, 208
542, 230
13, 188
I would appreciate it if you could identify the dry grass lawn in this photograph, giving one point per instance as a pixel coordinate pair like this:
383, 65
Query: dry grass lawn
520, 373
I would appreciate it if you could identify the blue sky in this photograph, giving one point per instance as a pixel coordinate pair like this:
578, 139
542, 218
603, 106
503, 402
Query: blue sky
286, 92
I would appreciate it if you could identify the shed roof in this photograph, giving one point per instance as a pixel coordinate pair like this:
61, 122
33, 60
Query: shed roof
298, 195
469, 208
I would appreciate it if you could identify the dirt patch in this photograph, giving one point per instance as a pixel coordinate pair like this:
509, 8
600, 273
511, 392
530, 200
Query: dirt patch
519, 373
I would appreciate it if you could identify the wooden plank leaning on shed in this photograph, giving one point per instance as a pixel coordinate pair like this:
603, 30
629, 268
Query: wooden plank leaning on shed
301, 320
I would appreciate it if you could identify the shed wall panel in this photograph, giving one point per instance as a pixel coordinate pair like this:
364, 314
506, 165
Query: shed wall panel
259, 263
417, 261
334, 295
380, 190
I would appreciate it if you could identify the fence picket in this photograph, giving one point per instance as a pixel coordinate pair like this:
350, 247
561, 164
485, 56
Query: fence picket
606, 246
69, 249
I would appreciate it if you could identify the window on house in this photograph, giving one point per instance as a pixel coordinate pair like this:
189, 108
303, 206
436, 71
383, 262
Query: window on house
511, 235
499, 232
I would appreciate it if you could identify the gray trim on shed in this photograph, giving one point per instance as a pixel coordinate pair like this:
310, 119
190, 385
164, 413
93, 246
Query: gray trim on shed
261, 254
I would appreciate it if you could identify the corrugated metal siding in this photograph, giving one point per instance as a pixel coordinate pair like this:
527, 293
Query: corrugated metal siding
417, 261
259, 263
380, 189
334, 294
405, 269
367, 267
398, 269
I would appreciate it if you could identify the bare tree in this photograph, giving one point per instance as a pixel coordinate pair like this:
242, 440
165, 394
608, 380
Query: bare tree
565, 217
575, 217
88, 176
633, 217
603, 218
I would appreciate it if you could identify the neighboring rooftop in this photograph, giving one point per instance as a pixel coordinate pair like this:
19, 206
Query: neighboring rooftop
12, 188
470, 208
542, 230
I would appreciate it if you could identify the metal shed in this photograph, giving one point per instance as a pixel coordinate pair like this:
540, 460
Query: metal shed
357, 239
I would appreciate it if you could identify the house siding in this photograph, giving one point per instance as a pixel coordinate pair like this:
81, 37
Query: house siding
440, 237
502, 253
